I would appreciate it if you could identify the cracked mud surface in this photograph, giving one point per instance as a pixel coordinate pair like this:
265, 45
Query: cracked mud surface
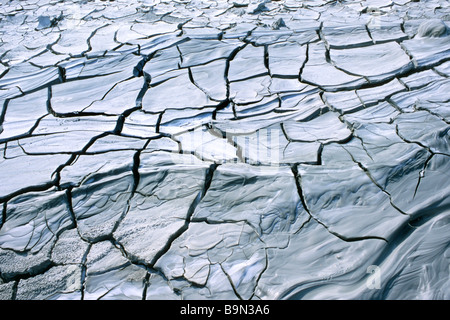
224, 150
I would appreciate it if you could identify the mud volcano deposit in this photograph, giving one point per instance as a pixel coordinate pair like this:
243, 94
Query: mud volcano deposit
224, 149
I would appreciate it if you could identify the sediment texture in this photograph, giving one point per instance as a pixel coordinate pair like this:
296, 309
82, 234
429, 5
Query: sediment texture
224, 149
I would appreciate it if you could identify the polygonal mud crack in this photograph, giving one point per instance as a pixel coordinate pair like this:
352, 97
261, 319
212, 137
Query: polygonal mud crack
224, 150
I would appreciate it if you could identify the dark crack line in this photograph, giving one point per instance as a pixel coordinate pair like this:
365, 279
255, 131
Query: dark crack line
304, 63
88, 41
70, 207
242, 104
138, 105
4, 108
319, 33
158, 122
180, 55
121, 120
417, 143
227, 67
136, 158
359, 86
72, 114
119, 267
14, 290
141, 93
386, 98
283, 129
105, 95
411, 57
38, 269
367, 172
266, 265
266, 59
303, 200
5, 72
363, 145
233, 108
106, 293
84, 270
431, 152
146, 285
422, 174
237, 118
301, 227
371, 84
178, 233
27, 247
208, 178
240, 150
135, 170
158, 271
234, 5
262, 74
3, 219
210, 221
402, 27
440, 73
394, 105
49, 46
231, 282
222, 105
36, 188
62, 74
408, 88
157, 83
402, 234
136, 180
74, 157
353, 135
191, 78
370, 34
437, 115
34, 64
26, 92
